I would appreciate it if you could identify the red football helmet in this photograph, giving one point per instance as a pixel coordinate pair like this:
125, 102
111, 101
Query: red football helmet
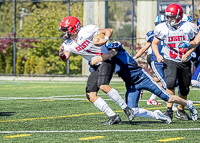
70, 24
174, 10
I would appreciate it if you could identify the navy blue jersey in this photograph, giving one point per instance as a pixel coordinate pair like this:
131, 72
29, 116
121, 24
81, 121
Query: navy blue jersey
149, 38
196, 56
129, 69
198, 24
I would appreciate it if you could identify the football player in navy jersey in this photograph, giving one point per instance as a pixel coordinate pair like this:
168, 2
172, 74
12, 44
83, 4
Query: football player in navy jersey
156, 66
137, 79
196, 56
174, 32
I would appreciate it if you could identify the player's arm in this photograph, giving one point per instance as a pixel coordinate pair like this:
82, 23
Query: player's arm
105, 57
142, 50
107, 34
196, 40
64, 56
192, 46
154, 46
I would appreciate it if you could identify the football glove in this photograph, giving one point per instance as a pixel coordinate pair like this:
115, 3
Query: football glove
184, 45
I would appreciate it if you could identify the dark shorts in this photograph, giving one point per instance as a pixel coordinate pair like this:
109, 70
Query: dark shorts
101, 76
178, 70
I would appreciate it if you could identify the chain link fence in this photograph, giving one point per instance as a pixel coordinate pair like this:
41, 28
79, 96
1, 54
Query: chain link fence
29, 36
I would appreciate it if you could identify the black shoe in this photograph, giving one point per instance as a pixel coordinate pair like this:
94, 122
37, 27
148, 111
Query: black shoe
130, 113
113, 120
182, 115
169, 113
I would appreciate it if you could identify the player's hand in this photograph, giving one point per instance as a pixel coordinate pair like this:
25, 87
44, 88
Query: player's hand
184, 45
61, 51
100, 42
160, 59
184, 58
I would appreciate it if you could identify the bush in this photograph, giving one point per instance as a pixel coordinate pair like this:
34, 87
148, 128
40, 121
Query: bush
2, 63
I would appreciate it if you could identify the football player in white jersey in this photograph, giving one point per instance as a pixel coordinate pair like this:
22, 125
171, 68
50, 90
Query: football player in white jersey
80, 41
174, 32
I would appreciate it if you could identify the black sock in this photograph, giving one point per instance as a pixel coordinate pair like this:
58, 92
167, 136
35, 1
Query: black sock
169, 108
180, 110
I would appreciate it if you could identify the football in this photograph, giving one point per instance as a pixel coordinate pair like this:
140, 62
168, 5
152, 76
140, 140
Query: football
96, 37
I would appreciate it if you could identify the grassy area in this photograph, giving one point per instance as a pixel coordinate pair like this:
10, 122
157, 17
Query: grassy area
59, 112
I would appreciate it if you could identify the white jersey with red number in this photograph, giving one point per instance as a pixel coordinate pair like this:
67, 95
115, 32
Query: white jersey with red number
172, 38
83, 44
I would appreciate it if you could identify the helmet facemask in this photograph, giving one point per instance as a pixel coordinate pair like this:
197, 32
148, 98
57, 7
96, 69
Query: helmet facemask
70, 26
68, 32
175, 19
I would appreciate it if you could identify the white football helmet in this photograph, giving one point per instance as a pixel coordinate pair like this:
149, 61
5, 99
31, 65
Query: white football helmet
159, 19
186, 18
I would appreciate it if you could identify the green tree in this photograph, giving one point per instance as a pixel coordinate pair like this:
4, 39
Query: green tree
44, 22
29, 67
9, 61
6, 18
2, 63
41, 66
19, 68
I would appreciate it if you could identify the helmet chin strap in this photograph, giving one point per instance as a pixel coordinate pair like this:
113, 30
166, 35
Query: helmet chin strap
173, 23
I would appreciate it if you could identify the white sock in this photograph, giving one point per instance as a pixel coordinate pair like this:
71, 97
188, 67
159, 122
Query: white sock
115, 96
189, 104
141, 112
153, 96
195, 83
104, 107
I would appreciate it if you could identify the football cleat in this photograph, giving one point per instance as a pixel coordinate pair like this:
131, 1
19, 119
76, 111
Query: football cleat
193, 112
113, 120
160, 116
130, 113
169, 113
182, 115
153, 102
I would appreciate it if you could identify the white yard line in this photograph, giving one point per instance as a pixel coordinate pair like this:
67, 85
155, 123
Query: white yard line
95, 131
58, 98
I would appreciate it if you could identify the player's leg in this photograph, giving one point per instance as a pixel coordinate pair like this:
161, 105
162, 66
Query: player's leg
105, 74
153, 96
132, 98
152, 99
149, 84
196, 77
91, 93
158, 69
184, 79
170, 71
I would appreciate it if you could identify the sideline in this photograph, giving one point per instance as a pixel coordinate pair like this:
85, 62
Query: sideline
65, 78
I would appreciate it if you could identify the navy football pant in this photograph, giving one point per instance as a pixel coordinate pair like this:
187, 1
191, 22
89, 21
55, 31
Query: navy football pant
146, 82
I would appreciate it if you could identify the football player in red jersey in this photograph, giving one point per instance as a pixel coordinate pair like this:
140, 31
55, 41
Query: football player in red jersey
80, 41
174, 32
